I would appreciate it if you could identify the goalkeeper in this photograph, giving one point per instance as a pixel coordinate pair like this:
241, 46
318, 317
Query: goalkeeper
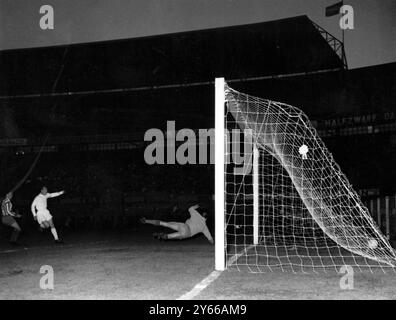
194, 225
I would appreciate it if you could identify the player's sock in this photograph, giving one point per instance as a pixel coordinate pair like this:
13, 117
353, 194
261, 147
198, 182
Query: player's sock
54, 233
155, 222
164, 236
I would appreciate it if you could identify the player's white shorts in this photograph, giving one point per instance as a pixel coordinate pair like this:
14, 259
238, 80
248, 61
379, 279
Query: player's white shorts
183, 228
180, 227
43, 215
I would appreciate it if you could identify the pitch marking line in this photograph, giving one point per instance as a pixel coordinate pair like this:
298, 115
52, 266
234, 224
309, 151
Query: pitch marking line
211, 277
65, 246
15, 250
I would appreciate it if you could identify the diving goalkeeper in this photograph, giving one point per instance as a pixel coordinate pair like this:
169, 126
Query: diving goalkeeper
194, 225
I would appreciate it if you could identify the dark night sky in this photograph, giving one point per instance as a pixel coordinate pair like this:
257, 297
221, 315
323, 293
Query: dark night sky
372, 42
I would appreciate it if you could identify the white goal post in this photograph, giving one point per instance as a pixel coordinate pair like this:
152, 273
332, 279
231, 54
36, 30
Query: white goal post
220, 249
295, 209
220, 162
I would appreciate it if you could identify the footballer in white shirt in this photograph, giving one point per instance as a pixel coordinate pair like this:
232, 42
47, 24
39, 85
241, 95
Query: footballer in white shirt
194, 225
42, 215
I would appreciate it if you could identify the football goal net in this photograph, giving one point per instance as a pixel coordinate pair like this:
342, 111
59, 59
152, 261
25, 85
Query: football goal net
282, 202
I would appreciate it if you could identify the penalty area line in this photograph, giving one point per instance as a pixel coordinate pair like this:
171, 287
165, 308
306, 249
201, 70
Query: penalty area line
211, 277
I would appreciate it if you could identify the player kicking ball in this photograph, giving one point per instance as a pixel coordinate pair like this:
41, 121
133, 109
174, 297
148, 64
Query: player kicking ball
194, 225
41, 213
8, 218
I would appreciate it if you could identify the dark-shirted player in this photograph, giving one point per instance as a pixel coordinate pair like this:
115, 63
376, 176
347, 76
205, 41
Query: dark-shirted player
8, 218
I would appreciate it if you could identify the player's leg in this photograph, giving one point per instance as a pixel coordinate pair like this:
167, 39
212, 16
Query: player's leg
45, 220
171, 225
182, 231
177, 226
173, 236
148, 221
53, 231
43, 217
10, 222
45, 225
180, 228
15, 233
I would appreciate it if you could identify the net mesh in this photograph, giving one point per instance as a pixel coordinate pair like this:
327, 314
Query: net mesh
309, 217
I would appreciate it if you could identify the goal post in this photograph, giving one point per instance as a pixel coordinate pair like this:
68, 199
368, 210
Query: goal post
256, 155
220, 155
293, 209
220, 183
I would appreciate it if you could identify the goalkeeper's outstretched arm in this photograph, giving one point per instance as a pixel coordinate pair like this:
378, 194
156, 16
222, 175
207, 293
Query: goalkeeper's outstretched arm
208, 235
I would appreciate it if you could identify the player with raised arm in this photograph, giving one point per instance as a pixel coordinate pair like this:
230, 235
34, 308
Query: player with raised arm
8, 218
41, 213
194, 225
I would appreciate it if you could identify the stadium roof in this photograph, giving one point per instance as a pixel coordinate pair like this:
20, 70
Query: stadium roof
293, 45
